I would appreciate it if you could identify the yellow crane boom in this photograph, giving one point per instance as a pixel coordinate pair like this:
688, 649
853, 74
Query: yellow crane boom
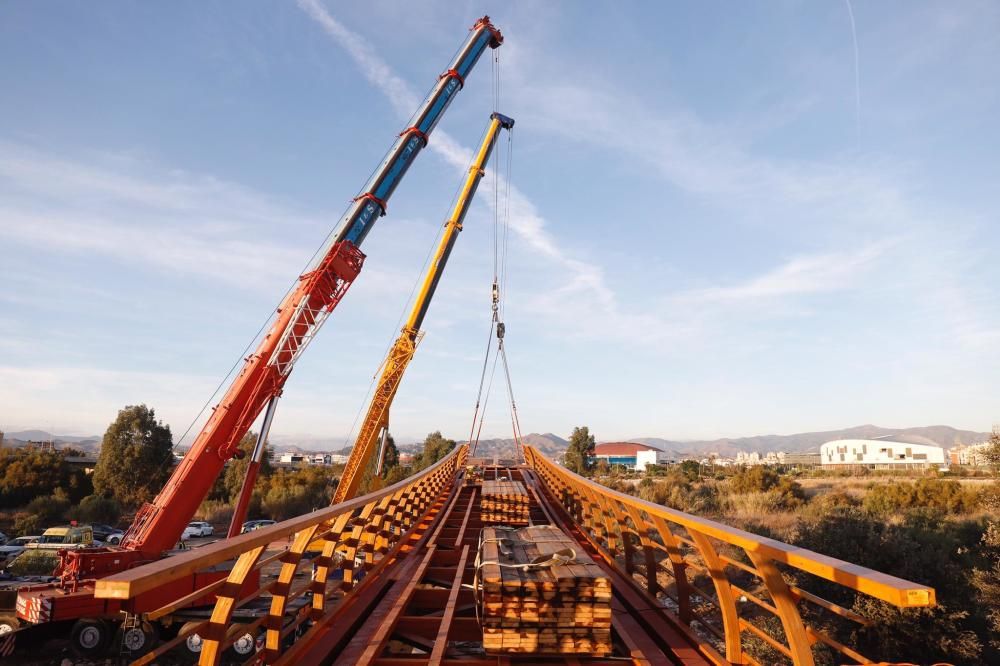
377, 418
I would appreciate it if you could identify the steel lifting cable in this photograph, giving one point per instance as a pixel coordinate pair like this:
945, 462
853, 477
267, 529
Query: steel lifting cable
501, 234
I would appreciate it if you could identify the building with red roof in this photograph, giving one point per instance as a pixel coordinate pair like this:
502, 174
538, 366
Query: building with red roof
632, 455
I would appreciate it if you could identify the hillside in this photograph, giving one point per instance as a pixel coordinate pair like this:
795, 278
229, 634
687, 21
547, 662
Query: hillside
549, 444
88, 444
939, 435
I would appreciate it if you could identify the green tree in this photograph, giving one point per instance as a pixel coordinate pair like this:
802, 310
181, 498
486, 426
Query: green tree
987, 581
436, 446
992, 452
97, 509
136, 457
50, 509
691, 469
580, 454
29, 473
391, 457
236, 469
289, 493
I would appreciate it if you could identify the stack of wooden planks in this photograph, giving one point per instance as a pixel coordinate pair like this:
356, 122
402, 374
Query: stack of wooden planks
560, 603
505, 503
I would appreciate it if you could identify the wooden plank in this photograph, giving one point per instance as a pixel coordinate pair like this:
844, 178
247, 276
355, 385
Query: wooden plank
441, 644
532, 605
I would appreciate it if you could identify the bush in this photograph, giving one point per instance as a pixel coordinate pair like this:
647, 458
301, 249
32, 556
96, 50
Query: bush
989, 498
98, 509
34, 562
945, 495
26, 474
677, 492
829, 502
218, 512
756, 479
292, 493
753, 507
50, 509
922, 548
27, 524
786, 493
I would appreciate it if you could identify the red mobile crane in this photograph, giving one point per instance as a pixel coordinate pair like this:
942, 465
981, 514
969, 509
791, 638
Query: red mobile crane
158, 525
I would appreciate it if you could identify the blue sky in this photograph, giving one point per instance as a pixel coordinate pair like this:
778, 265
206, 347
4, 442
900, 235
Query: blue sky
720, 225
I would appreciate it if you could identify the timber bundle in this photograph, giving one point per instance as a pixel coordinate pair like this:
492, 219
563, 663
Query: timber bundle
505, 502
538, 594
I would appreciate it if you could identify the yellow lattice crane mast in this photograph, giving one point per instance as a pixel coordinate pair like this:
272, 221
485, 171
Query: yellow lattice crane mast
377, 418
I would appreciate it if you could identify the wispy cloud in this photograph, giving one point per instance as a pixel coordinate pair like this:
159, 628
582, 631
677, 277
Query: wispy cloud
581, 278
857, 69
807, 274
160, 218
864, 210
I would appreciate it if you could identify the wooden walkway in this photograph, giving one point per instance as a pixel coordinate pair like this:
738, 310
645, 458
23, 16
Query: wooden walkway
422, 609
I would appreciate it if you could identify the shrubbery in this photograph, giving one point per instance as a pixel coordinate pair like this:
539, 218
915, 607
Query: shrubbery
783, 491
921, 548
943, 494
97, 509
29, 473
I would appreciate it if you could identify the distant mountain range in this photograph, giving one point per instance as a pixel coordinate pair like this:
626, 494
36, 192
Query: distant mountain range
87, 444
938, 435
549, 444
553, 445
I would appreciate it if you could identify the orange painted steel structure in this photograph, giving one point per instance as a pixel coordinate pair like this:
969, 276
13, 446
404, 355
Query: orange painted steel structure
687, 590
654, 540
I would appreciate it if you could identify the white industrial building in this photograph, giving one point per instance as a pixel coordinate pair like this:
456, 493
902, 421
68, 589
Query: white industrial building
652, 457
879, 454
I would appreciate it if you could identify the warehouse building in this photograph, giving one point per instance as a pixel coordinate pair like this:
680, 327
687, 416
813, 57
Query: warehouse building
631, 455
880, 454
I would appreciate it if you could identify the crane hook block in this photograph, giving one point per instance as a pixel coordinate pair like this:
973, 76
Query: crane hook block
501, 329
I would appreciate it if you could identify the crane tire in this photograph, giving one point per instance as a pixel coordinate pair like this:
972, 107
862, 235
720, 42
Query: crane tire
191, 645
90, 637
138, 640
8, 623
242, 648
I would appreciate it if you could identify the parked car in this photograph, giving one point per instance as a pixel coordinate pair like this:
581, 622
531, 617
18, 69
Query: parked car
15, 547
192, 531
252, 525
206, 528
107, 534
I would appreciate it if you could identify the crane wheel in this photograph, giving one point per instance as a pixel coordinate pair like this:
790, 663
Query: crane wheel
241, 649
191, 644
136, 640
90, 637
8, 623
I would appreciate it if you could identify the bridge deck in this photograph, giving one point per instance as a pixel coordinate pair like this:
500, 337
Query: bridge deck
391, 582
421, 610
